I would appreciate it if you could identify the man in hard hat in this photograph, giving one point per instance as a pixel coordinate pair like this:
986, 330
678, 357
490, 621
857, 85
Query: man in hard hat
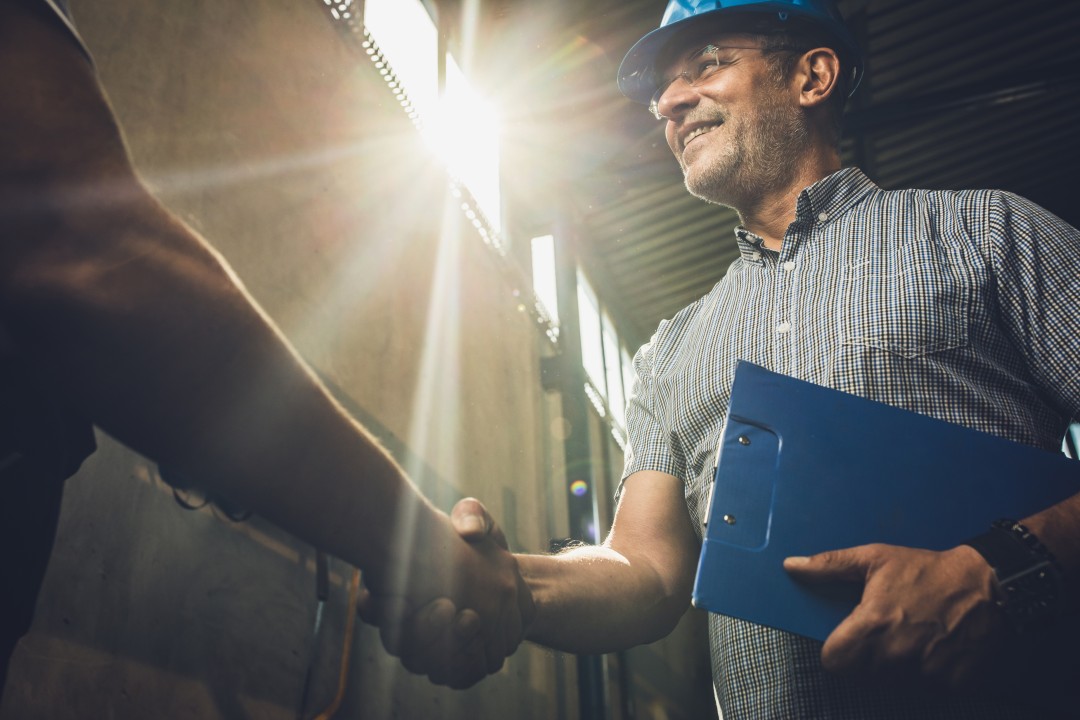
958, 305
113, 312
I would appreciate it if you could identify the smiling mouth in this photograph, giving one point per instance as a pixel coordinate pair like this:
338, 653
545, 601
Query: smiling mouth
699, 131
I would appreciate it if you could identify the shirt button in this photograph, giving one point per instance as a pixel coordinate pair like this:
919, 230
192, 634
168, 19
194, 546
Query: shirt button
789, 265
783, 327
755, 256
823, 216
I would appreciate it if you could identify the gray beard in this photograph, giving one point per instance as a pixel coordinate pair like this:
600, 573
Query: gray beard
760, 161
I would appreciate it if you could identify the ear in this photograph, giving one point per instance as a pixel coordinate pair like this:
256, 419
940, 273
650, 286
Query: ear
817, 73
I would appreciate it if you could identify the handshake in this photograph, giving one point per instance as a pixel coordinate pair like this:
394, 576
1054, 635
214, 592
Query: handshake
453, 604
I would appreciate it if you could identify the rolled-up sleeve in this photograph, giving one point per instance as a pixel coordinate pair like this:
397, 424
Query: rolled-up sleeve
648, 430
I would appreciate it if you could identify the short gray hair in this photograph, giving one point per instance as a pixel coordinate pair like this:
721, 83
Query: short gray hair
782, 51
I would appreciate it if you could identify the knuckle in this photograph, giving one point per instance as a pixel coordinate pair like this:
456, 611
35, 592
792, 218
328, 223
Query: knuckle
467, 626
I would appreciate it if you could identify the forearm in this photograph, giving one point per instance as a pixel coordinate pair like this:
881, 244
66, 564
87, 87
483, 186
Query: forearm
158, 344
142, 325
595, 600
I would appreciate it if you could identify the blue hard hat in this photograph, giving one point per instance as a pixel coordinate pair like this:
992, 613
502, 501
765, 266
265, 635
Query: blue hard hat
637, 74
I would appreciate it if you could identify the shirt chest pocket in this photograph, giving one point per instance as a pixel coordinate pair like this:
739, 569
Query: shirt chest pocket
908, 308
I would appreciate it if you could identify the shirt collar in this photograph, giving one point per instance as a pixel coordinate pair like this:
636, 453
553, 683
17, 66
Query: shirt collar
822, 202
750, 245
834, 195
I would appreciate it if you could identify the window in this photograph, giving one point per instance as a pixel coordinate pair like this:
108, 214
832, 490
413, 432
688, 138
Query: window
606, 361
627, 372
613, 370
466, 135
592, 344
460, 126
543, 274
409, 42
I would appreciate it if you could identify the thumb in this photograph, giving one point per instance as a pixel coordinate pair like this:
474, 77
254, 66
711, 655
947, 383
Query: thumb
850, 565
474, 524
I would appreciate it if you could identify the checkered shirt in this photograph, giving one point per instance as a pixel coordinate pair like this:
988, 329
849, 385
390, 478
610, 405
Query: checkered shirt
958, 305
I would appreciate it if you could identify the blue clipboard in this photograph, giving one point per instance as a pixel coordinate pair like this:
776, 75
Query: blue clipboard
803, 469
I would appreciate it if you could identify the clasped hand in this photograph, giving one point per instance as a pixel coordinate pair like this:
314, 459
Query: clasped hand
926, 619
465, 614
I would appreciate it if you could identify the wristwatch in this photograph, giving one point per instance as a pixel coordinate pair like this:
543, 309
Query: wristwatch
1028, 576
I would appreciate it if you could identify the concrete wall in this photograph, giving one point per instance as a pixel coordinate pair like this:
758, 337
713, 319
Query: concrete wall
258, 126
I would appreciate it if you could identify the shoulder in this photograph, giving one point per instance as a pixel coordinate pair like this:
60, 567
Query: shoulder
983, 217
916, 199
667, 343
981, 204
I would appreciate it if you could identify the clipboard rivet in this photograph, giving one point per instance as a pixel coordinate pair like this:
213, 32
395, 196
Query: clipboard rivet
743, 440
729, 519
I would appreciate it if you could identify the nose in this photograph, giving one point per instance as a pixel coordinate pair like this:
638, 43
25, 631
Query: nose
676, 100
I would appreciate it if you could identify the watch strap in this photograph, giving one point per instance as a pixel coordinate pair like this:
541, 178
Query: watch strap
1028, 576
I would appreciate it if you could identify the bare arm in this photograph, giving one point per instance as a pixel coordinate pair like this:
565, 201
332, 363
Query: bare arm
153, 338
146, 328
633, 588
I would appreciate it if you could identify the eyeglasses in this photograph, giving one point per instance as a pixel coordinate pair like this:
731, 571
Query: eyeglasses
703, 64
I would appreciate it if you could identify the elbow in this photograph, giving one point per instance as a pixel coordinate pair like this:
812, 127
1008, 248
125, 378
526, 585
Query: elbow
664, 617
668, 592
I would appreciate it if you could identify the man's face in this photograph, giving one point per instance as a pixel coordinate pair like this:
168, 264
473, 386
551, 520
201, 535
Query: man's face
738, 131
